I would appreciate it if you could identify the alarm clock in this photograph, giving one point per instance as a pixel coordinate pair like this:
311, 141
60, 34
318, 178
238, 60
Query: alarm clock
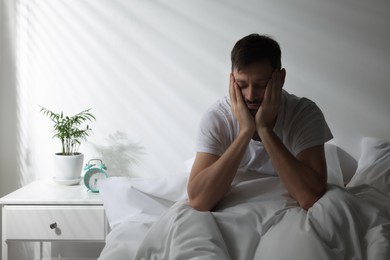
93, 173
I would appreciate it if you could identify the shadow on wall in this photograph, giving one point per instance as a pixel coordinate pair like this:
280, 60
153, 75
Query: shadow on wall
121, 154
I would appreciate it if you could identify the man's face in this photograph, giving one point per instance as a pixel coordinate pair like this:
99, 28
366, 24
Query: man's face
252, 81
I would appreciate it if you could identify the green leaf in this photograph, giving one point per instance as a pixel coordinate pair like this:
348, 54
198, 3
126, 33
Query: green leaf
66, 128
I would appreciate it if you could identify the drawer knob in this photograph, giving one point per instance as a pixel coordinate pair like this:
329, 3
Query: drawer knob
53, 226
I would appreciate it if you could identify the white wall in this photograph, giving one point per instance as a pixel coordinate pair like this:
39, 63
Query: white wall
149, 69
8, 156
9, 169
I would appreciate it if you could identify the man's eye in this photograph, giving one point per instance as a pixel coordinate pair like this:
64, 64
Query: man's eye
262, 85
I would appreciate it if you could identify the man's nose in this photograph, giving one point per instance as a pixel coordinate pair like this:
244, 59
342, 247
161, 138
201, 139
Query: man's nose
251, 94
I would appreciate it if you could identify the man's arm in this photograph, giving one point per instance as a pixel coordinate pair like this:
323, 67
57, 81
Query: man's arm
304, 175
211, 176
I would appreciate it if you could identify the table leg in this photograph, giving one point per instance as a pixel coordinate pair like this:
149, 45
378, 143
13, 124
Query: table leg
4, 249
4, 245
40, 250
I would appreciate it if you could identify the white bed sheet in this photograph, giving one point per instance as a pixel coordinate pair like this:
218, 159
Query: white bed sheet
249, 224
257, 219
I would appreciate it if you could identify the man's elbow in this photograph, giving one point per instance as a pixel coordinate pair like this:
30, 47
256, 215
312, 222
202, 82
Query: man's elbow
198, 204
311, 199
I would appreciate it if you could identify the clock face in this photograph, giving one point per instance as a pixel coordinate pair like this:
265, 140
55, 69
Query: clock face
92, 177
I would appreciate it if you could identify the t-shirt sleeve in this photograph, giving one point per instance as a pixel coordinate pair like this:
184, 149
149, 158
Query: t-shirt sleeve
213, 133
310, 128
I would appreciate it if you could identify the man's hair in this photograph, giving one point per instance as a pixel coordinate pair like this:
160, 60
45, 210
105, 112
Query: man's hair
256, 48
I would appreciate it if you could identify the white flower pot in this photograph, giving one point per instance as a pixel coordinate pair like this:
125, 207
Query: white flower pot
68, 168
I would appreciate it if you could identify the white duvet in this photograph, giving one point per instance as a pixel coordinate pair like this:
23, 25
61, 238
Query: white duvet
259, 220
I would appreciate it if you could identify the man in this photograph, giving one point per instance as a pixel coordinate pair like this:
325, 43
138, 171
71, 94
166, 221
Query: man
260, 129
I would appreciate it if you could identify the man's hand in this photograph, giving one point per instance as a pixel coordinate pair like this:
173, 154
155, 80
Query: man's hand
266, 115
239, 108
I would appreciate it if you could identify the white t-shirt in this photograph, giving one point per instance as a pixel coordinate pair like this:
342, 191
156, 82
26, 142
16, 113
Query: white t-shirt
300, 125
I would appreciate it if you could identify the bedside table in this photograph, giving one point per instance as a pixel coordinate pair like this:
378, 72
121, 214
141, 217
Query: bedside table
46, 211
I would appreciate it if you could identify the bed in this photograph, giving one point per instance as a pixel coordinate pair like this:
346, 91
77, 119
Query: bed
257, 219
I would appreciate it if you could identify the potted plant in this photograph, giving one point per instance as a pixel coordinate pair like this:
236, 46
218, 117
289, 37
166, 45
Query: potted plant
68, 129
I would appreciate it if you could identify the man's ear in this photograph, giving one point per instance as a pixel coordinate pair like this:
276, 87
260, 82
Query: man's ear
283, 75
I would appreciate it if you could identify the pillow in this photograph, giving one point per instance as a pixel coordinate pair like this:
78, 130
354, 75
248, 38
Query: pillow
335, 174
140, 199
373, 165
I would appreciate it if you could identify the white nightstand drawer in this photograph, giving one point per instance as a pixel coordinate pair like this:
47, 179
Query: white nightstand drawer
71, 222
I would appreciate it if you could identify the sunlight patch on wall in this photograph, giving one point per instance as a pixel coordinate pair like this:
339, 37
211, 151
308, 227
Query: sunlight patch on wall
139, 76
149, 69
22, 91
